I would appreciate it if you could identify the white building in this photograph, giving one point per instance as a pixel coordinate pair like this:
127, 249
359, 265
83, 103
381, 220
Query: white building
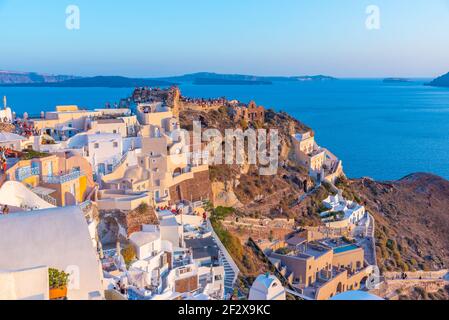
321, 163
6, 113
171, 230
57, 238
164, 271
165, 157
102, 150
12, 140
153, 256
267, 287
342, 213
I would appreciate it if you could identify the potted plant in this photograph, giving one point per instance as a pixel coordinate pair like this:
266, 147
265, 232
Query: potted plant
58, 281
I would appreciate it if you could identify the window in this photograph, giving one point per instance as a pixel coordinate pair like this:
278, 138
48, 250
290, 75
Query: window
114, 131
96, 145
115, 144
184, 270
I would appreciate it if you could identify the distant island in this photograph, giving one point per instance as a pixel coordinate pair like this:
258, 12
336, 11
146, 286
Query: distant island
205, 81
92, 82
32, 79
217, 78
396, 80
12, 77
442, 81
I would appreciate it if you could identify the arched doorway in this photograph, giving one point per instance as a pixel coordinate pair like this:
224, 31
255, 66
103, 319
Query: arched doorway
363, 283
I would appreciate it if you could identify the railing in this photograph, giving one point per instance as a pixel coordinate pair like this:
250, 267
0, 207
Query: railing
45, 197
26, 172
120, 162
63, 178
225, 253
86, 206
49, 199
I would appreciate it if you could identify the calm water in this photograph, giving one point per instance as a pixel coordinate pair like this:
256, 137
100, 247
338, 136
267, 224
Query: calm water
35, 100
384, 131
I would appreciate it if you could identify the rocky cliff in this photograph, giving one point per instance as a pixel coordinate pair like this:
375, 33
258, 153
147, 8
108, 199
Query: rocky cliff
412, 215
242, 187
412, 220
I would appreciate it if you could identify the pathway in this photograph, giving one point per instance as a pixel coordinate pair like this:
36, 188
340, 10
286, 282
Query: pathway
369, 242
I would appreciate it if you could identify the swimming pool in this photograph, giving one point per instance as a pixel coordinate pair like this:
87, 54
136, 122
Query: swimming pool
346, 248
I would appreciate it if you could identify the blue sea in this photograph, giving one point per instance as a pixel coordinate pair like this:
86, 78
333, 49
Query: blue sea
381, 130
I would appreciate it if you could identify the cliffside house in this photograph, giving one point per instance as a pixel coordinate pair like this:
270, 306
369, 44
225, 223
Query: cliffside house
322, 269
342, 213
59, 179
321, 163
164, 168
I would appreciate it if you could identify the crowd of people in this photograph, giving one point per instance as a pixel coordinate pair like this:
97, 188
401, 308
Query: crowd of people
26, 129
146, 94
205, 102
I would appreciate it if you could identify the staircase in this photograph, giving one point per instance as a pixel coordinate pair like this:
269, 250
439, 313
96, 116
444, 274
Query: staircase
231, 269
230, 275
49, 199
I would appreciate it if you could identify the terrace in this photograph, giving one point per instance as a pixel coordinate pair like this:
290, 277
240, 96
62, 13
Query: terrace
63, 178
26, 172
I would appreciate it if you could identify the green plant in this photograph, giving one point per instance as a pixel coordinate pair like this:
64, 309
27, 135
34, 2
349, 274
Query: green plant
142, 208
283, 251
221, 213
31, 154
57, 279
129, 254
230, 241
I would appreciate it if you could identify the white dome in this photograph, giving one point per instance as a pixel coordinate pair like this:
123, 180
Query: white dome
267, 287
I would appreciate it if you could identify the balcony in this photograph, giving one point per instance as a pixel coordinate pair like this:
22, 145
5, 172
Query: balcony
26, 172
63, 178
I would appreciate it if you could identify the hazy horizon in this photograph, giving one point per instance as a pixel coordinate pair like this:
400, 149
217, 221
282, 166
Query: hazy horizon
140, 38
238, 73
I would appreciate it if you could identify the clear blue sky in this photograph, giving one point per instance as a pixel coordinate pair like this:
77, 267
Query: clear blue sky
264, 37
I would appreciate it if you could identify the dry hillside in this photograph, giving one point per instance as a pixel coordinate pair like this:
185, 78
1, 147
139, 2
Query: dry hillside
412, 220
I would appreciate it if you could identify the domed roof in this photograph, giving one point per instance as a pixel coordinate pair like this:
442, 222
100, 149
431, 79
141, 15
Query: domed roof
267, 287
137, 173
